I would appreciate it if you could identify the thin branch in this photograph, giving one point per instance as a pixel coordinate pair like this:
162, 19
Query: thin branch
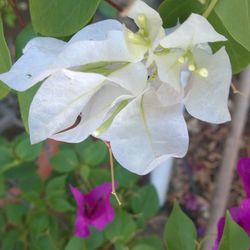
114, 5
230, 155
210, 8
19, 17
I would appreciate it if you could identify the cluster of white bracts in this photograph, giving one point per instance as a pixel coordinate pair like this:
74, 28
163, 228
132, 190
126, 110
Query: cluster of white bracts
127, 87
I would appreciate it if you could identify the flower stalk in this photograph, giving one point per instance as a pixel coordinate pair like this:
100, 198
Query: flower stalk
112, 172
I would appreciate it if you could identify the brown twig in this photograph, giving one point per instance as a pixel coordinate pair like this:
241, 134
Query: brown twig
230, 155
114, 5
19, 17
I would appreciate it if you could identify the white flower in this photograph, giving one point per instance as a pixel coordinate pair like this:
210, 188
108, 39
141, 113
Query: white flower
178, 64
207, 81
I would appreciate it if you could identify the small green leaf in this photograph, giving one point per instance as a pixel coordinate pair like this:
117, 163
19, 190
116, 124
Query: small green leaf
172, 10
5, 61
142, 247
153, 241
14, 213
145, 202
94, 153
39, 222
234, 237
62, 205
124, 177
56, 186
76, 244
25, 151
56, 18
180, 232
239, 25
121, 229
24, 100
107, 10
65, 161
23, 38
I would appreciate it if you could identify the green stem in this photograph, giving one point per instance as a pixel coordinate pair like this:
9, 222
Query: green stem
210, 8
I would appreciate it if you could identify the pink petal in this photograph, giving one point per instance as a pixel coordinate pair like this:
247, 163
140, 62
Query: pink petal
79, 197
81, 227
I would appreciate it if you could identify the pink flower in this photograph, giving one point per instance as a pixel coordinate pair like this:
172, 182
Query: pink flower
93, 209
240, 214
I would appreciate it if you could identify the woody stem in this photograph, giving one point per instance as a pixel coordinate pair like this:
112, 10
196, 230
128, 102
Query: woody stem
112, 172
114, 5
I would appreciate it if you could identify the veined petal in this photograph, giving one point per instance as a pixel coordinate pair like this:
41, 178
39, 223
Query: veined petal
132, 77
195, 30
96, 31
169, 69
113, 49
145, 133
93, 114
35, 64
59, 101
207, 97
153, 19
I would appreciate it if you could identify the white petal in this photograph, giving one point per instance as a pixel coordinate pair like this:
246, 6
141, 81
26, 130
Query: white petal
93, 114
145, 133
154, 20
35, 64
59, 101
168, 96
169, 68
96, 31
195, 30
132, 77
113, 49
208, 97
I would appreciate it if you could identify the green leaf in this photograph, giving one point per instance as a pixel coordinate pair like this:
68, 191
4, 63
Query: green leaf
142, 247
234, 237
95, 240
65, 161
14, 213
94, 153
172, 10
25, 151
145, 202
153, 241
25, 99
121, 229
39, 222
62, 205
11, 239
107, 10
124, 177
5, 61
56, 18
56, 187
239, 56
23, 38
179, 232
235, 15
76, 244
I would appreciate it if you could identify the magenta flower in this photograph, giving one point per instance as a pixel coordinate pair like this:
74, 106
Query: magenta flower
240, 214
93, 209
